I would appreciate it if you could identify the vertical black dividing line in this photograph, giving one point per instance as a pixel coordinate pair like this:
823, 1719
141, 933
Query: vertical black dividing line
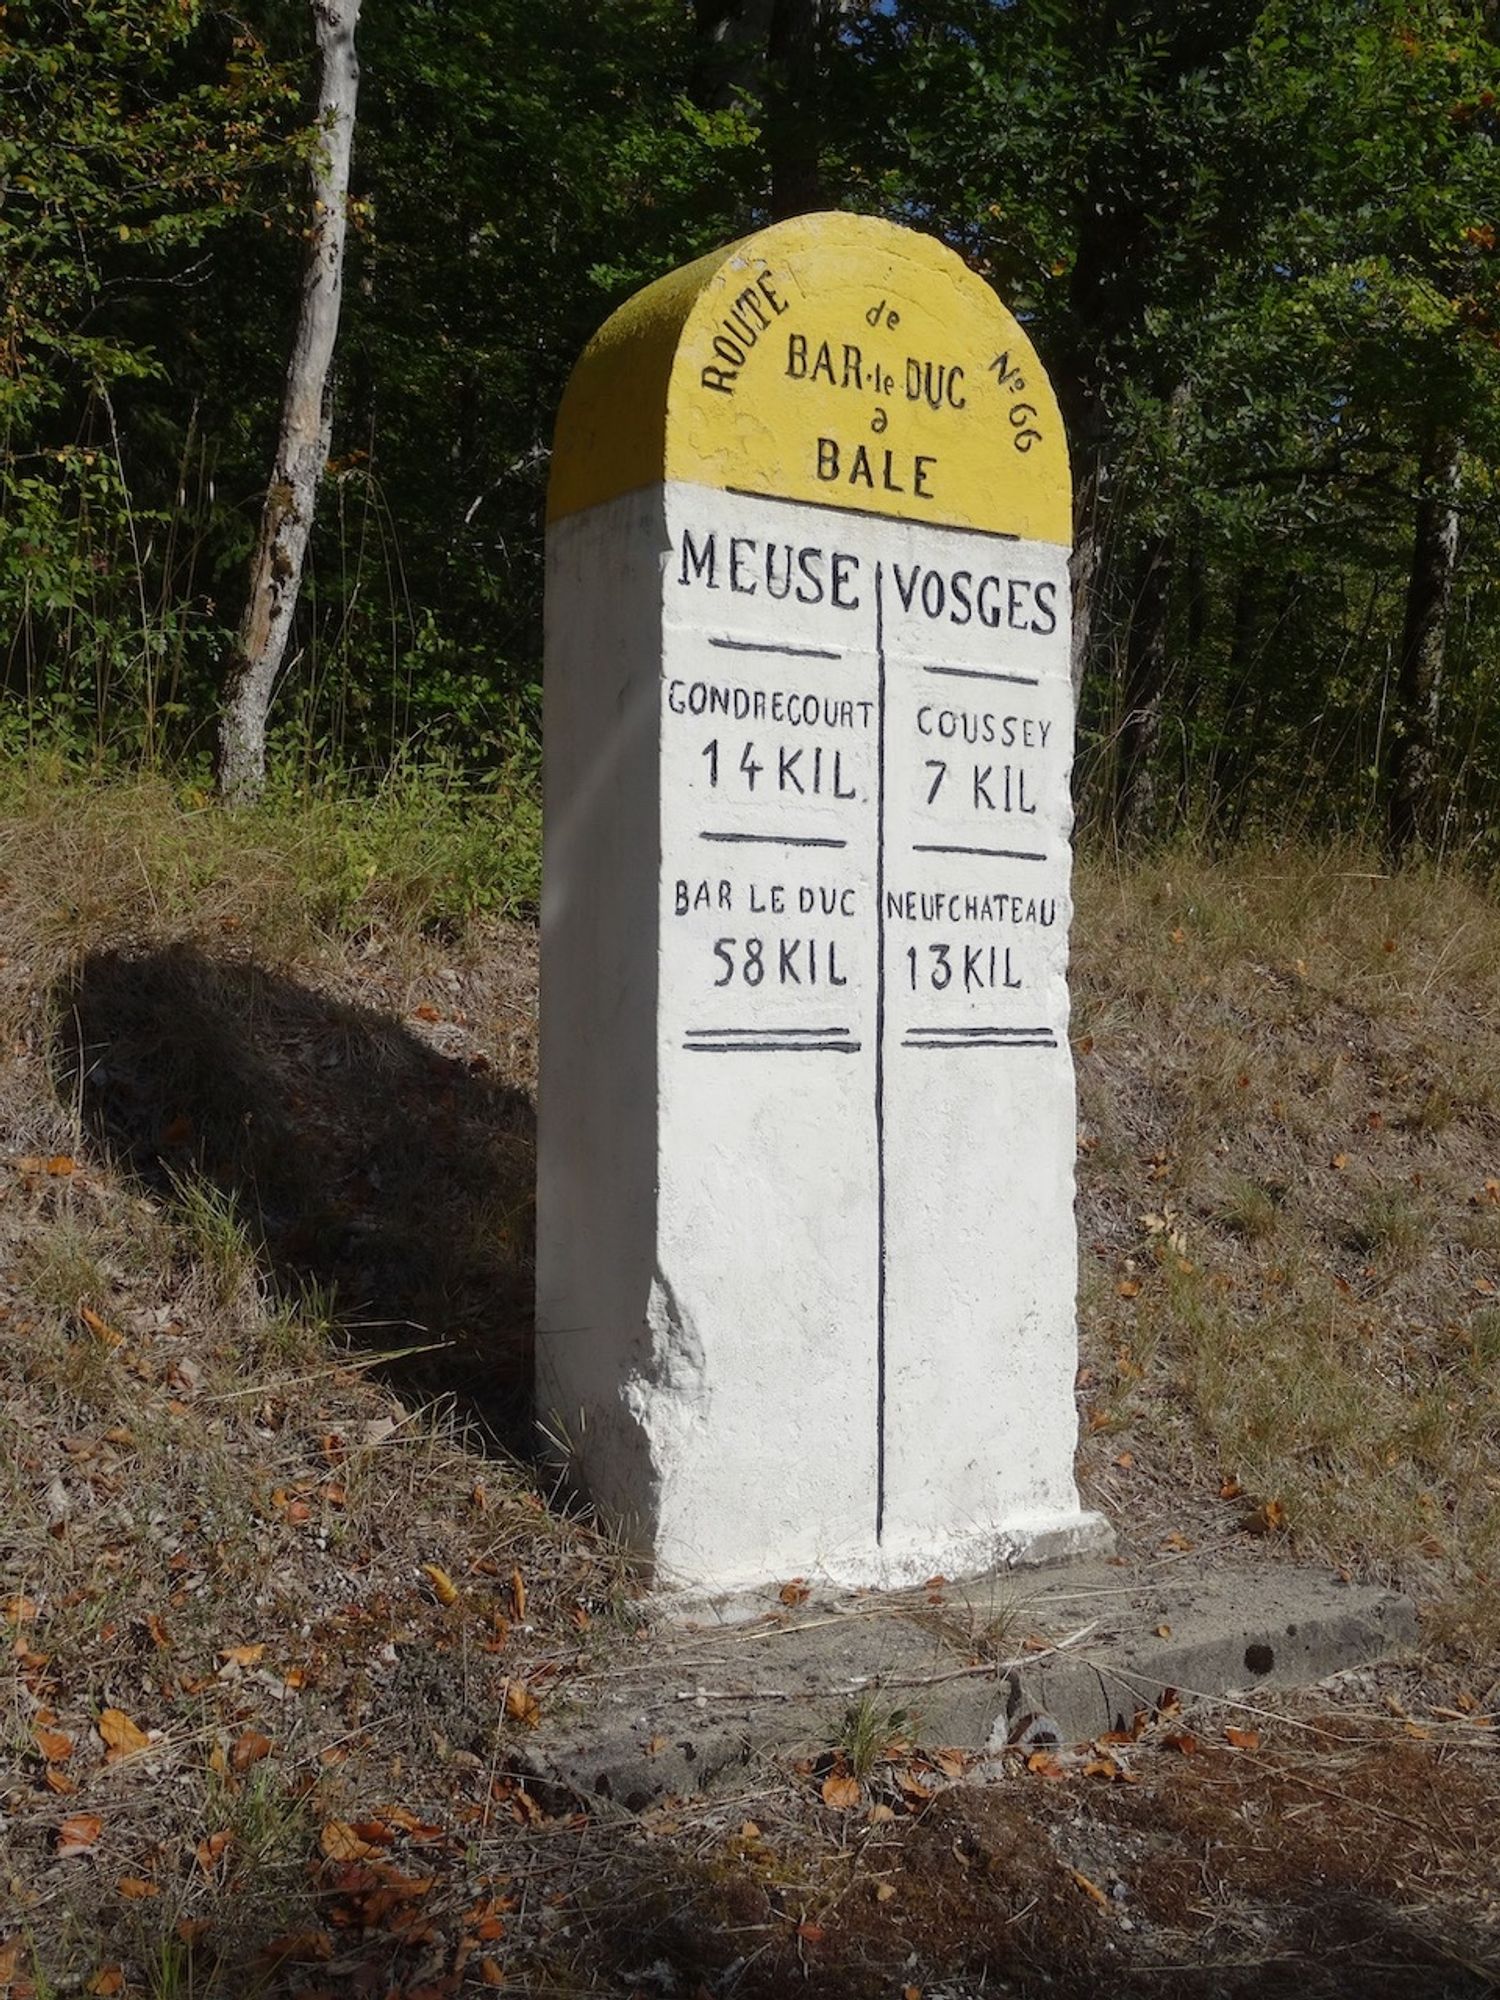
879, 1056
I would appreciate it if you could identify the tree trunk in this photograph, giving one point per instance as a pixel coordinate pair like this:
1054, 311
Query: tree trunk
306, 424
730, 51
765, 53
1229, 772
1412, 771
792, 123
1086, 562
1145, 688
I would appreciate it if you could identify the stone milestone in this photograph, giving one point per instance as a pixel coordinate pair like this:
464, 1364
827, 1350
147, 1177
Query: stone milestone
806, 1254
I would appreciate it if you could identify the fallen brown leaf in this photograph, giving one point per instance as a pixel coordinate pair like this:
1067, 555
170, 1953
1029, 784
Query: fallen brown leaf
78, 1833
521, 1705
444, 1589
244, 1656
841, 1791
340, 1842
100, 1328
121, 1735
249, 1749
299, 1948
1091, 1889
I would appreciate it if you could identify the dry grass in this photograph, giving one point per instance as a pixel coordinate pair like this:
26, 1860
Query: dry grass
107, 862
268, 1130
264, 1253
1290, 1080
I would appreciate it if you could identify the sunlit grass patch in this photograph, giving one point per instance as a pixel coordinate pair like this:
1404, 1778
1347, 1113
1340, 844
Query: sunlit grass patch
1318, 1339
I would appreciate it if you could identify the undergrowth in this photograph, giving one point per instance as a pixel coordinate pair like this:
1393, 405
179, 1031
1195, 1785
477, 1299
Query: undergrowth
427, 849
265, 1251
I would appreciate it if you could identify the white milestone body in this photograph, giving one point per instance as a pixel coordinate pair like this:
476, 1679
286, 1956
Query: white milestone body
806, 1257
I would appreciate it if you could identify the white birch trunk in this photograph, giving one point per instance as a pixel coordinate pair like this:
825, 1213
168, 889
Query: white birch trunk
306, 424
1412, 803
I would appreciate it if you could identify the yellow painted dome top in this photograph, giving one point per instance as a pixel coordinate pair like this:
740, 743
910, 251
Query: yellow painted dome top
833, 359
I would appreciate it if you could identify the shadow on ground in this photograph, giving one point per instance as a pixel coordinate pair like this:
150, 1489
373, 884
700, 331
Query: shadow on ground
372, 1168
980, 1907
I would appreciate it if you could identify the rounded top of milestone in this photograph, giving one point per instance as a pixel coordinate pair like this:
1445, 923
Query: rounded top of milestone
836, 360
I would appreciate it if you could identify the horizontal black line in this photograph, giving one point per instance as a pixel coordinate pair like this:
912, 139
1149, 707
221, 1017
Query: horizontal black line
719, 1034
767, 646
983, 674
986, 1042
783, 839
991, 853
979, 1031
873, 514
757, 1047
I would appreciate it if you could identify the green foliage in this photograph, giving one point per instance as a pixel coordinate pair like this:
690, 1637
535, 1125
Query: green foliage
429, 846
1256, 246
1255, 243
138, 139
518, 198
132, 133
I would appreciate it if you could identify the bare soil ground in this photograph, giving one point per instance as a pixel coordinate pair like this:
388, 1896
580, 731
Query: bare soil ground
282, 1607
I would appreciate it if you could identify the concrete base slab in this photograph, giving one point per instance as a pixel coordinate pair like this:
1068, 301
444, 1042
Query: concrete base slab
1064, 1653
971, 1561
